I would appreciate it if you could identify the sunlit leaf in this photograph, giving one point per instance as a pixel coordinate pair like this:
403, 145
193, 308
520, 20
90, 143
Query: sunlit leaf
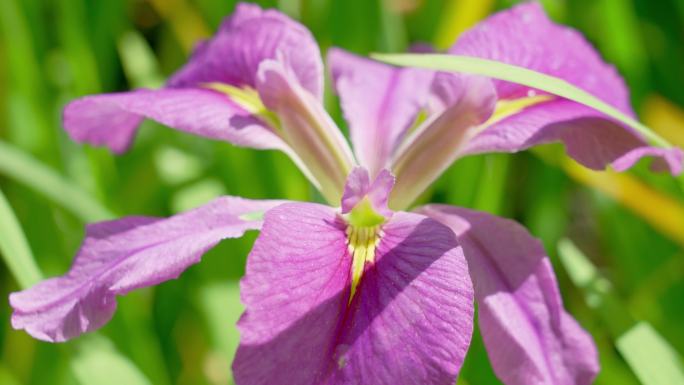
519, 75
97, 362
649, 355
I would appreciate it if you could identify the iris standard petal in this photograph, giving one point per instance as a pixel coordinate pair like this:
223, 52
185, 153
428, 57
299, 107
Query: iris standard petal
410, 321
530, 338
307, 128
121, 255
112, 120
245, 39
380, 103
526, 37
437, 142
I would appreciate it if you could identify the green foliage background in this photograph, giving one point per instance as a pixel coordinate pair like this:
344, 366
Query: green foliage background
182, 332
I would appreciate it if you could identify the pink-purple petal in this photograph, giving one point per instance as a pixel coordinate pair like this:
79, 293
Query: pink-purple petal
121, 255
437, 142
589, 137
295, 291
307, 128
525, 36
410, 321
380, 103
247, 38
112, 120
530, 338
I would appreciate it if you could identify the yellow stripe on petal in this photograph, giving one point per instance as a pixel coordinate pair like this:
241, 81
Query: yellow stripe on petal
509, 107
361, 243
247, 98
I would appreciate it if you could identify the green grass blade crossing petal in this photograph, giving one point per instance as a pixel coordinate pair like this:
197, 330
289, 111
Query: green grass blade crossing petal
519, 75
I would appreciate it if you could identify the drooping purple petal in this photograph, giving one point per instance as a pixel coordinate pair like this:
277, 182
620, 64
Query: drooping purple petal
526, 37
529, 336
359, 186
247, 38
121, 255
410, 321
589, 137
112, 120
307, 128
380, 103
436, 143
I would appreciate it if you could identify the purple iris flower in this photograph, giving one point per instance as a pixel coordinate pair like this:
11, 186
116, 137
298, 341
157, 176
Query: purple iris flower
361, 291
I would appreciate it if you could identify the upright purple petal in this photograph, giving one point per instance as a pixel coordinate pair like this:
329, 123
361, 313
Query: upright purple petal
526, 37
247, 38
438, 141
380, 103
121, 255
410, 322
529, 336
112, 120
307, 128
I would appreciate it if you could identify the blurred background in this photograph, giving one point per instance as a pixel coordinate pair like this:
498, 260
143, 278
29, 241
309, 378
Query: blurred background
616, 240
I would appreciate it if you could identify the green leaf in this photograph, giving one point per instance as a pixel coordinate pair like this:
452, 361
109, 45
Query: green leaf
14, 247
20, 166
97, 362
649, 355
519, 75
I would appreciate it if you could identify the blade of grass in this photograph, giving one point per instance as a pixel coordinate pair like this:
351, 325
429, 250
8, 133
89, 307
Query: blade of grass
519, 75
21, 167
647, 353
98, 362
14, 247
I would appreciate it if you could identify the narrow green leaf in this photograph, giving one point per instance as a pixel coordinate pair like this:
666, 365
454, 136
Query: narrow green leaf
20, 166
14, 247
519, 75
97, 362
649, 355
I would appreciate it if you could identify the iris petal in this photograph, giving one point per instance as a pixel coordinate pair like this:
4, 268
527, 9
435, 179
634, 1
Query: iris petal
529, 336
410, 321
121, 255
